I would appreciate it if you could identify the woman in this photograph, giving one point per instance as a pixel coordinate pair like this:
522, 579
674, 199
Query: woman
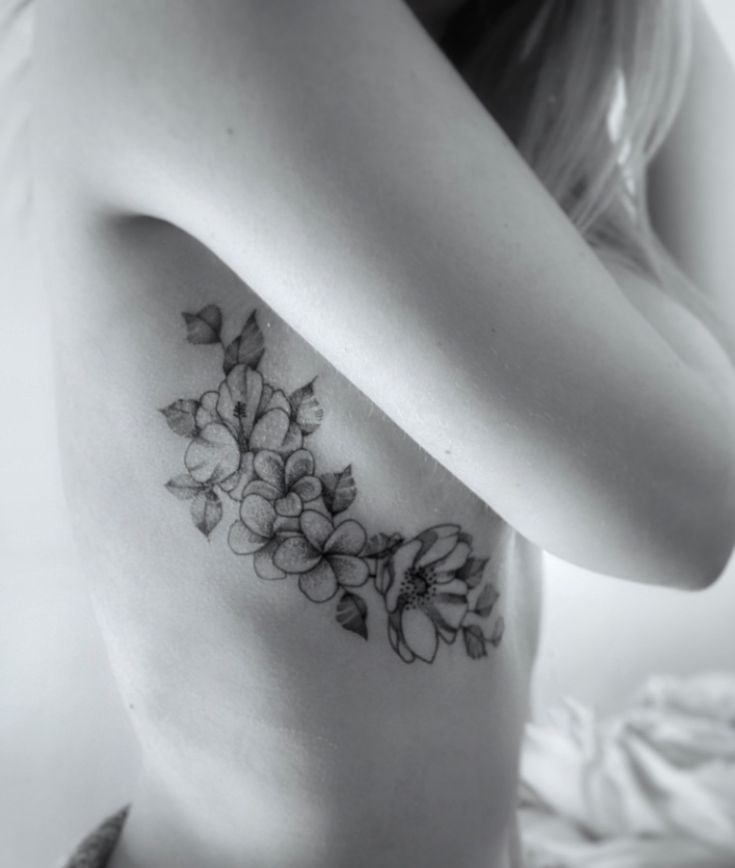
402, 371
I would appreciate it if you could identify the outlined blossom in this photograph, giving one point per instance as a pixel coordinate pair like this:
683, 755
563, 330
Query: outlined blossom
246, 439
323, 556
288, 484
424, 597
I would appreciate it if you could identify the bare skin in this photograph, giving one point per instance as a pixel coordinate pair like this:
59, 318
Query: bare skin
343, 215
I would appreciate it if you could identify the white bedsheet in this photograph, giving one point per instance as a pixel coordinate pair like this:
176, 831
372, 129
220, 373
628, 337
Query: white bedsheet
650, 787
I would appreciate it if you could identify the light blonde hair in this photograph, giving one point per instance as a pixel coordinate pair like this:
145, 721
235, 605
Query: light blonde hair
587, 90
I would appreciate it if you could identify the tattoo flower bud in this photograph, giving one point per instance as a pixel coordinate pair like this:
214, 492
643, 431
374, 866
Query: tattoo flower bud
323, 556
424, 597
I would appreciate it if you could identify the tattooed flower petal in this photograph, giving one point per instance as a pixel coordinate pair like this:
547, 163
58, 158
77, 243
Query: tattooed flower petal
290, 505
350, 570
207, 412
258, 514
452, 561
451, 607
299, 464
419, 634
263, 562
279, 401
401, 561
264, 489
243, 541
441, 540
308, 488
296, 555
320, 583
348, 538
316, 527
270, 467
212, 455
274, 430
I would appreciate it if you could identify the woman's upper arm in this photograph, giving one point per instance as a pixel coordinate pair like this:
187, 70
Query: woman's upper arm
330, 156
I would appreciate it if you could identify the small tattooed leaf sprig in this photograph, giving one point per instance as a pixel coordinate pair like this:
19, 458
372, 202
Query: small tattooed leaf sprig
247, 456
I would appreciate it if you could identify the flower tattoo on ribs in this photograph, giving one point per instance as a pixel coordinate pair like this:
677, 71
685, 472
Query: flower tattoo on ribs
247, 456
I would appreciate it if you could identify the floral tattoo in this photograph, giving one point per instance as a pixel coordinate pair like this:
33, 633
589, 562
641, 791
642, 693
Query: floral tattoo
246, 454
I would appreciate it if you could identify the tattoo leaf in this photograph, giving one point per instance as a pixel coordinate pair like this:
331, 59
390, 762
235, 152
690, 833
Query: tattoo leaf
204, 327
181, 416
247, 348
486, 601
352, 613
474, 641
306, 409
206, 511
498, 631
184, 487
471, 572
380, 545
338, 489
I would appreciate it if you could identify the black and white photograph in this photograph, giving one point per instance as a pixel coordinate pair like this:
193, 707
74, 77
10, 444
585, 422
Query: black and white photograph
367, 493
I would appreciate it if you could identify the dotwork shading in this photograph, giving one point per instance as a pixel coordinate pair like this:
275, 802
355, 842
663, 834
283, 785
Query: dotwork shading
247, 455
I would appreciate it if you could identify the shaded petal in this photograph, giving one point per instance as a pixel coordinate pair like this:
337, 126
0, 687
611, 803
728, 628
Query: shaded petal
258, 514
279, 401
265, 397
231, 482
207, 412
263, 562
401, 560
404, 556
419, 633
288, 506
349, 570
286, 525
243, 541
293, 440
320, 583
300, 463
269, 467
451, 607
212, 455
316, 527
296, 555
270, 431
455, 586
308, 488
348, 538
454, 559
445, 540
264, 489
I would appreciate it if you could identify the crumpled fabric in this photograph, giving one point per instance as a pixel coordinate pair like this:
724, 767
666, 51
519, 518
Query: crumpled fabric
652, 786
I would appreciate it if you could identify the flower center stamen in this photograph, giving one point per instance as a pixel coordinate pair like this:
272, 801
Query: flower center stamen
417, 585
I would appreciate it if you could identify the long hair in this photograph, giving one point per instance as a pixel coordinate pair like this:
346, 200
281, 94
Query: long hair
587, 91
